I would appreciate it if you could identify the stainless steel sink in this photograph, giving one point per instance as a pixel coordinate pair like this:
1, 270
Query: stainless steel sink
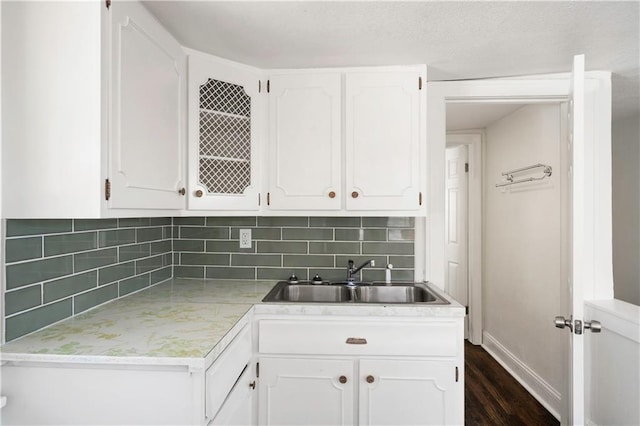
394, 294
397, 293
314, 293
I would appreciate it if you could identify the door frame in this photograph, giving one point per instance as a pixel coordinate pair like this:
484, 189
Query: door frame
593, 159
430, 231
474, 140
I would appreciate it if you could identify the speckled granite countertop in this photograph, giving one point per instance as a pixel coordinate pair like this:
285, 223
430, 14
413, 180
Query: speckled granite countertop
184, 322
178, 322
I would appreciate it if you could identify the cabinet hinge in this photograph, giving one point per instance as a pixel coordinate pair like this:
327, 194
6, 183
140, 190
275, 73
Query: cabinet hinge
466, 167
259, 86
268, 198
257, 369
419, 83
268, 86
457, 374
420, 198
107, 3
107, 189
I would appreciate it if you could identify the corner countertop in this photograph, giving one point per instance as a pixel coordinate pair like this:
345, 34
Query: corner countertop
180, 322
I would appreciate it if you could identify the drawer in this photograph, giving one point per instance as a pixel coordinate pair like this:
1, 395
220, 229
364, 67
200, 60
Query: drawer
437, 338
224, 372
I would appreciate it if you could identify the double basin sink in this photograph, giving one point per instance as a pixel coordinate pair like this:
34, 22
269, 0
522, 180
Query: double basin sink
342, 292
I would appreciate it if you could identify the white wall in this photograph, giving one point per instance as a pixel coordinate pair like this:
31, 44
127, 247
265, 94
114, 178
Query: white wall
523, 250
626, 209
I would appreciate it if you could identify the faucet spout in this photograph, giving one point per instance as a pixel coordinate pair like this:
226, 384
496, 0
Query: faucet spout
351, 271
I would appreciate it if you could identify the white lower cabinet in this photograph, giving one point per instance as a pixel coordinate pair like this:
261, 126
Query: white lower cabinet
310, 391
238, 406
319, 372
401, 392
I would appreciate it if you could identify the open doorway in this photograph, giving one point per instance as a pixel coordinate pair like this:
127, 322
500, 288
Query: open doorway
506, 252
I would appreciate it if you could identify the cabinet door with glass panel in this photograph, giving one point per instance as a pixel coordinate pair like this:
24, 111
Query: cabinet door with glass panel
223, 136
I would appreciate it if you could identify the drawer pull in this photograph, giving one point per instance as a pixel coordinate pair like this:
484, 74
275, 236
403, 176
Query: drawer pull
356, 341
343, 379
370, 379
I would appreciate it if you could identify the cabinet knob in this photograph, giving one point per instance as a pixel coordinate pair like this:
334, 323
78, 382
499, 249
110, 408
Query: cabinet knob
354, 194
343, 379
252, 385
332, 194
199, 193
370, 379
182, 191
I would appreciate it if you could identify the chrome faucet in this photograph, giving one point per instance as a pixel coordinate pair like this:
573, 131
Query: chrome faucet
351, 271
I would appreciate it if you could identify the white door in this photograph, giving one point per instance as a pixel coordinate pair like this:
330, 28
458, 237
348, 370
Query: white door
224, 130
305, 142
456, 218
383, 116
575, 391
306, 392
146, 141
408, 393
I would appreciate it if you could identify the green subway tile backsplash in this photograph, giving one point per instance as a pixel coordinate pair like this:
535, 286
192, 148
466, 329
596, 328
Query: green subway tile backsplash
20, 274
22, 227
69, 243
68, 286
94, 259
281, 246
26, 322
58, 268
23, 249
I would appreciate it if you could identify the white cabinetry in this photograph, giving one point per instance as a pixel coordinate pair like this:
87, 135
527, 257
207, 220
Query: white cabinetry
67, 127
384, 140
349, 141
310, 391
147, 120
305, 142
360, 371
224, 130
402, 392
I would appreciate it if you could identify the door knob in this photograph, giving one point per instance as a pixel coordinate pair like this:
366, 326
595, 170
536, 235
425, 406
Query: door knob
561, 322
370, 379
594, 326
199, 193
343, 379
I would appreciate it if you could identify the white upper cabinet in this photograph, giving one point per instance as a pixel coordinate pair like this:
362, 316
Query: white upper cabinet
224, 130
90, 94
347, 141
147, 129
383, 140
305, 148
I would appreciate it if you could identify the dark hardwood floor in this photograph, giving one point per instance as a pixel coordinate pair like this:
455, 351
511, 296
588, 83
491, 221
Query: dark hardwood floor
493, 397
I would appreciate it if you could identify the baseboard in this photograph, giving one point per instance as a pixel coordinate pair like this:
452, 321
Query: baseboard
532, 382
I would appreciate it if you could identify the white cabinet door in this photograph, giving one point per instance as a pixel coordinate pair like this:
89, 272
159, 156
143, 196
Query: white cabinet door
305, 142
403, 392
224, 128
305, 392
238, 407
147, 129
384, 138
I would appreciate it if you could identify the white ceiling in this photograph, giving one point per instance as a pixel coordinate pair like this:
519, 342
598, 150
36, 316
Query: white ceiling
457, 40
468, 116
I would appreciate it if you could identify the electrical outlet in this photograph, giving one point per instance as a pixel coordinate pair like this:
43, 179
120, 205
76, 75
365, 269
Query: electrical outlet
245, 238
